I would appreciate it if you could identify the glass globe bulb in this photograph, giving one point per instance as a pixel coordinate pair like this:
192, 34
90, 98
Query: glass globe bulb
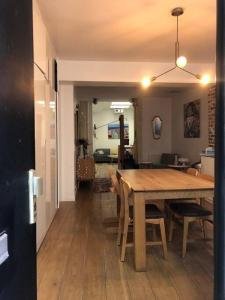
205, 79
146, 82
181, 61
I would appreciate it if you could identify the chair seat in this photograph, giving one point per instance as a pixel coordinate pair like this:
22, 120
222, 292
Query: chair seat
189, 209
151, 212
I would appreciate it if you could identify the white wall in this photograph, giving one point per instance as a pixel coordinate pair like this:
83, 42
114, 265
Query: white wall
87, 93
105, 116
66, 143
153, 102
127, 72
189, 147
152, 106
171, 110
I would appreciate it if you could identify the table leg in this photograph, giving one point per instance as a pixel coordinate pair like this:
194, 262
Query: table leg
139, 232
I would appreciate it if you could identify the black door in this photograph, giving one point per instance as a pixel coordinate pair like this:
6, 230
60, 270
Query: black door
18, 271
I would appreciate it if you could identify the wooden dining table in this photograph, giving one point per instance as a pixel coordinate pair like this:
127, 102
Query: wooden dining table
158, 184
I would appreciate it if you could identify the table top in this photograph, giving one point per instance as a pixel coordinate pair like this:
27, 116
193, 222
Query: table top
113, 155
143, 180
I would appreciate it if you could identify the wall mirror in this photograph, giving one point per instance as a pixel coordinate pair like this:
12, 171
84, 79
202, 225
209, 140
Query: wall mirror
157, 127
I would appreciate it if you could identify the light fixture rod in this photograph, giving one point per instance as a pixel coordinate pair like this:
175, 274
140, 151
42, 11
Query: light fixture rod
176, 12
189, 72
95, 127
177, 45
156, 77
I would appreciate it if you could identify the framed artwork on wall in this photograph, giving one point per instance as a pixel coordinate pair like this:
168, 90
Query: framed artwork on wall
192, 119
157, 127
114, 131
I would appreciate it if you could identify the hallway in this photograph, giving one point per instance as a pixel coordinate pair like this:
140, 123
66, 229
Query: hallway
79, 259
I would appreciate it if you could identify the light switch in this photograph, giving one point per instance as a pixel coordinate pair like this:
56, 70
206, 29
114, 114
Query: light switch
4, 254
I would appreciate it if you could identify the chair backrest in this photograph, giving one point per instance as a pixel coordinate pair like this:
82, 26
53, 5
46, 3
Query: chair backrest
192, 171
167, 158
206, 176
85, 168
207, 200
115, 184
125, 191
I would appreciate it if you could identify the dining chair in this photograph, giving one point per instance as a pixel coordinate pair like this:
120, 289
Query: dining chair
192, 171
187, 212
116, 190
207, 202
152, 216
115, 185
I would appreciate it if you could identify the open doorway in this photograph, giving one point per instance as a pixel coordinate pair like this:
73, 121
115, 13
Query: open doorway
106, 133
99, 129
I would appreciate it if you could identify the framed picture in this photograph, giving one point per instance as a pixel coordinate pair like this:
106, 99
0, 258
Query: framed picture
192, 119
157, 127
114, 131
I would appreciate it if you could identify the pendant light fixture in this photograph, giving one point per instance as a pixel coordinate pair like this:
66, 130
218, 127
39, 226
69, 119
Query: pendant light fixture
180, 60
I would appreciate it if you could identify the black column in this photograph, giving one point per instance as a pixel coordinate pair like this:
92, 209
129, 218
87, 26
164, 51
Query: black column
121, 162
219, 206
18, 271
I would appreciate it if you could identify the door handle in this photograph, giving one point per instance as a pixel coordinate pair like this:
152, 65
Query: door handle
35, 184
38, 186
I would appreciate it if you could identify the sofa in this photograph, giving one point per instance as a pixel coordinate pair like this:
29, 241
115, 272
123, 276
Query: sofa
101, 155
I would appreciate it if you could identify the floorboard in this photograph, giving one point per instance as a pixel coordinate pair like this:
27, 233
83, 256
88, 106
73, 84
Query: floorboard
79, 259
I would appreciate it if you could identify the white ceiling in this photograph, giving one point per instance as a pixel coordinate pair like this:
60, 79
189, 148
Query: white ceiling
102, 106
130, 30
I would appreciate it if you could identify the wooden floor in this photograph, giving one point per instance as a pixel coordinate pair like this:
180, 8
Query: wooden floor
79, 259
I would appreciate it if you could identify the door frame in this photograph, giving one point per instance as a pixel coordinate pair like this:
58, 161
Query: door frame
219, 203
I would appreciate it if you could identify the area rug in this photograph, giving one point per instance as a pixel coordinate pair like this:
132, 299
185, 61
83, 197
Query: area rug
102, 185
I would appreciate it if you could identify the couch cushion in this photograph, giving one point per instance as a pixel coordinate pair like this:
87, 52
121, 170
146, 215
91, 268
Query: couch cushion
102, 151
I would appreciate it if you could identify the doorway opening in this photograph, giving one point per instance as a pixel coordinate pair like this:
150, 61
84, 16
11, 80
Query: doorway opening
99, 127
106, 133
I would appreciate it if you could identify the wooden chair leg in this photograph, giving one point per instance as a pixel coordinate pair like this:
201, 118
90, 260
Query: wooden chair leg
171, 228
124, 240
203, 228
163, 236
185, 236
119, 232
